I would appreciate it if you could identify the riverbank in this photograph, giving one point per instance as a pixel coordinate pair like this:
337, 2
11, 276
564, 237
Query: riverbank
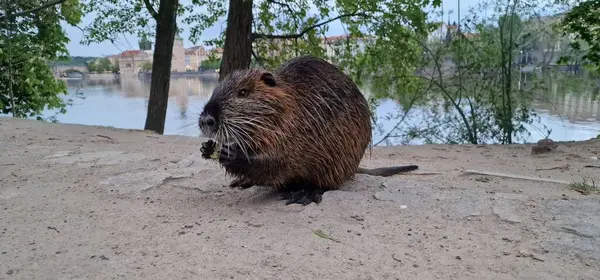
99, 203
209, 73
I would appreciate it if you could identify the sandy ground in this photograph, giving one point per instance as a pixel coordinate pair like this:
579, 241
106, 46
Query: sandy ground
81, 202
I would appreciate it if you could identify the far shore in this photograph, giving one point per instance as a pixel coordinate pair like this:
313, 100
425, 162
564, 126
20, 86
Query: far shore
146, 75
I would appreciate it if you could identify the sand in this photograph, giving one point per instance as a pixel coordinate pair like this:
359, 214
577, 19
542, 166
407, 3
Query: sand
84, 202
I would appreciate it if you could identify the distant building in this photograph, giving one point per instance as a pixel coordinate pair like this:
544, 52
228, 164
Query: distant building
131, 61
443, 33
114, 59
194, 57
334, 45
216, 52
545, 46
472, 35
178, 62
273, 47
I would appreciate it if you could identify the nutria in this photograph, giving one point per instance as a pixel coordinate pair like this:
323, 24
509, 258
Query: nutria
302, 128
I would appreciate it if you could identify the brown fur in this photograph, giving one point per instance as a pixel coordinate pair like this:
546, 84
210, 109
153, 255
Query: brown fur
305, 123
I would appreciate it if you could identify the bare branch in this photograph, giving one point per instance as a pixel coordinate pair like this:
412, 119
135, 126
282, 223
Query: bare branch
290, 10
410, 105
150, 9
258, 59
287, 6
306, 30
443, 90
22, 13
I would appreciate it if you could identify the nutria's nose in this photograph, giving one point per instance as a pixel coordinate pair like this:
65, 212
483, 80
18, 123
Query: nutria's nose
208, 121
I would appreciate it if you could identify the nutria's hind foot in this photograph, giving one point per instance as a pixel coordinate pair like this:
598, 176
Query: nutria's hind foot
304, 196
241, 183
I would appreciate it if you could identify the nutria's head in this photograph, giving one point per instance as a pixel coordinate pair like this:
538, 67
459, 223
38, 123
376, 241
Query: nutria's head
246, 108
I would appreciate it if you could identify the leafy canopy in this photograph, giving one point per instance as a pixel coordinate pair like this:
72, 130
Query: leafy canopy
583, 24
384, 33
387, 32
35, 39
113, 18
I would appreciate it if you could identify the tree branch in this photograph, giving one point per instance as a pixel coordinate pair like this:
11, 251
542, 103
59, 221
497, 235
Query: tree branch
258, 59
410, 105
22, 13
283, 5
306, 30
290, 10
150, 9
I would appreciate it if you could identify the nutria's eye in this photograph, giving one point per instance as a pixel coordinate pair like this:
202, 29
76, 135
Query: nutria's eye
243, 92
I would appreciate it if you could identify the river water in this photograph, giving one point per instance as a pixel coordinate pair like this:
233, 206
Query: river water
122, 103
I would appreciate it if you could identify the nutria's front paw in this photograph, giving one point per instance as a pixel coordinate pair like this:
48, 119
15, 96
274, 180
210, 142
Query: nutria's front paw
229, 152
208, 149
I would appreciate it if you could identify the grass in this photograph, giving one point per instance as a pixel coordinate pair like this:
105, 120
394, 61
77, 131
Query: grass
583, 187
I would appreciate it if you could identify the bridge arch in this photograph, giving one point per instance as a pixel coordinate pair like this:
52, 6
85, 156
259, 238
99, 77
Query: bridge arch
63, 70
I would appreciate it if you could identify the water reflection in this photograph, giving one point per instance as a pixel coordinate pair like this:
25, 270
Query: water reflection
575, 107
122, 103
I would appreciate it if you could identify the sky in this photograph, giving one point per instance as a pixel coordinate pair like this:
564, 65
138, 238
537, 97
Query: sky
129, 42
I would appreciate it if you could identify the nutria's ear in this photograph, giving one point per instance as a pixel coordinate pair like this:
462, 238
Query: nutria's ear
268, 79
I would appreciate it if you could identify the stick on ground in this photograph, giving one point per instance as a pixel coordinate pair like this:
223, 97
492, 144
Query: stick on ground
517, 176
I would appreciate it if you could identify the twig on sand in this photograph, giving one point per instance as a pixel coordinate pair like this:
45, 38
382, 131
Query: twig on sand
517, 176
396, 259
54, 229
104, 136
163, 181
524, 254
566, 166
424, 173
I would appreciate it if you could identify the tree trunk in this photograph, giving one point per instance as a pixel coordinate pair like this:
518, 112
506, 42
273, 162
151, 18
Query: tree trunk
166, 28
237, 51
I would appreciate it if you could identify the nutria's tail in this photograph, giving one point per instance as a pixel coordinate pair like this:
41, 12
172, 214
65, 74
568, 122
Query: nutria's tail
387, 171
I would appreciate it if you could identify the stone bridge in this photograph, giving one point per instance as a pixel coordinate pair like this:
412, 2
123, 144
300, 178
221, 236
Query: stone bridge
60, 70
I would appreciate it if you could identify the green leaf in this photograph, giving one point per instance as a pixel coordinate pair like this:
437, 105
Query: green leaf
321, 234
